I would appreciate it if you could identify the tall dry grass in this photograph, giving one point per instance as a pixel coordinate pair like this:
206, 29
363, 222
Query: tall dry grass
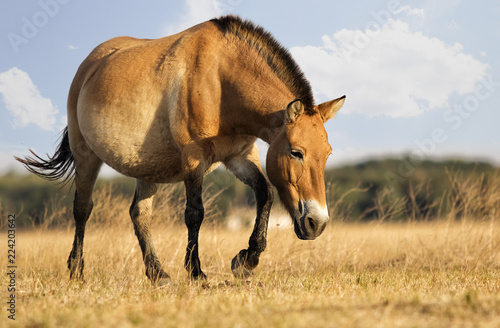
385, 273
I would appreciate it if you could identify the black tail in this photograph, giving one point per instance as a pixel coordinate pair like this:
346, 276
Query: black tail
59, 166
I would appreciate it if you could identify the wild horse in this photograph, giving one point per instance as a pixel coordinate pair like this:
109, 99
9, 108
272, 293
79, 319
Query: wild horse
172, 109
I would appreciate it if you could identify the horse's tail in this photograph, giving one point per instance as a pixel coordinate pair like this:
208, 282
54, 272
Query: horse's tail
59, 166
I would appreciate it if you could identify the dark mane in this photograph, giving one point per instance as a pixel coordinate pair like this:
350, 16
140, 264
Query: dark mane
277, 57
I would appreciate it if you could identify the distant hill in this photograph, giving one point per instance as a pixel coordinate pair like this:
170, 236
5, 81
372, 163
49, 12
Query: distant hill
352, 190
425, 182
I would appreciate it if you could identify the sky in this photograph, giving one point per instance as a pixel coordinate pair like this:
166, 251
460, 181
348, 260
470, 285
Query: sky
422, 78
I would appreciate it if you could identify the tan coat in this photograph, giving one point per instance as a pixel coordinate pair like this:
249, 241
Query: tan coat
174, 108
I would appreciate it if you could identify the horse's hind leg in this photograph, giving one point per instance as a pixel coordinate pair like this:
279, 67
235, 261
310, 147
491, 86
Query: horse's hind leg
87, 166
140, 212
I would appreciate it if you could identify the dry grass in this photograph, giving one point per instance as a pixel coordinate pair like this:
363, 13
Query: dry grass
417, 274
408, 275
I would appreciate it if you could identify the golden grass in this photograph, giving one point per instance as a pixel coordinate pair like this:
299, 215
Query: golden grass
442, 273
436, 274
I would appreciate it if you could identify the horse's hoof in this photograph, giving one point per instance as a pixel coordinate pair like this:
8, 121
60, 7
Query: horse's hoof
162, 282
158, 277
238, 267
199, 276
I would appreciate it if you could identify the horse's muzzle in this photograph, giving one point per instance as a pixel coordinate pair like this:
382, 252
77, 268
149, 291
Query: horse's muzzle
307, 229
311, 222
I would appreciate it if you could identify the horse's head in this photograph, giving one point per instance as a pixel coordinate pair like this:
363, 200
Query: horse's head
296, 165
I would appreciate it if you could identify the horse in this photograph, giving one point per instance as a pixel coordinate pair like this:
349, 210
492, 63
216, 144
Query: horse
172, 109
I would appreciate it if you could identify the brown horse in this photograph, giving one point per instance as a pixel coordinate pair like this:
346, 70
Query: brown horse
173, 109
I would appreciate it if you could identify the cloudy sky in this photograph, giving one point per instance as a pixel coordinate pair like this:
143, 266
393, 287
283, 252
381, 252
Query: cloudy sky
421, 77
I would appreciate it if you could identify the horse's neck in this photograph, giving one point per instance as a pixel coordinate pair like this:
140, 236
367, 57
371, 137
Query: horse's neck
261, 116
256, 98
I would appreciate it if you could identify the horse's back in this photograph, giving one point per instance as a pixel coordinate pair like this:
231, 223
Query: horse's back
117, 105
132, 101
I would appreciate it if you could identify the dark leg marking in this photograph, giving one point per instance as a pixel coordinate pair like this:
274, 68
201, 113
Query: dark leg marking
81, 211
247, 259
194, 217
85, 178
140, 212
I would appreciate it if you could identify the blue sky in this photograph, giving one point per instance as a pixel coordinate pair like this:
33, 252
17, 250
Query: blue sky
421, 77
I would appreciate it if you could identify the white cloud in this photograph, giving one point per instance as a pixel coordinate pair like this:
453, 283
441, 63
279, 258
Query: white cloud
72, 47
7, 161
197, 11
24, 102
391, 71
411, 11
63, 122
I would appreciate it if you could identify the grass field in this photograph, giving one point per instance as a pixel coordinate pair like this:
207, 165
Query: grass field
420, 273
436, 274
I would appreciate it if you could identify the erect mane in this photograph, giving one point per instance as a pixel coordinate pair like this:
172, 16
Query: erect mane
278, 57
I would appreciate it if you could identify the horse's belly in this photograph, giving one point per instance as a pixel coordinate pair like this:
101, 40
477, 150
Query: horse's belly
142, 153
162, 165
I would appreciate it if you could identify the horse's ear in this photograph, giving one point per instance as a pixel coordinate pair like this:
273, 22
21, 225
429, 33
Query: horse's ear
330, 108
293, 111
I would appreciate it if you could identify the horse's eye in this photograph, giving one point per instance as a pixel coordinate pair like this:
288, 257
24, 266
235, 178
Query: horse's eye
296, 154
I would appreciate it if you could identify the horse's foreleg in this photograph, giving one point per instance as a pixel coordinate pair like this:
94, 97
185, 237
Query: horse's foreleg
140, 212
248, 170
247, 259
193, 218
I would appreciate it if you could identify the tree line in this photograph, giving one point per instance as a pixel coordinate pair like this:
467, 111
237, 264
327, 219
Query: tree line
373, 189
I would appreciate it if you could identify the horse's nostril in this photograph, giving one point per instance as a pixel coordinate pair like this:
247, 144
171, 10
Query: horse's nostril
312, 224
